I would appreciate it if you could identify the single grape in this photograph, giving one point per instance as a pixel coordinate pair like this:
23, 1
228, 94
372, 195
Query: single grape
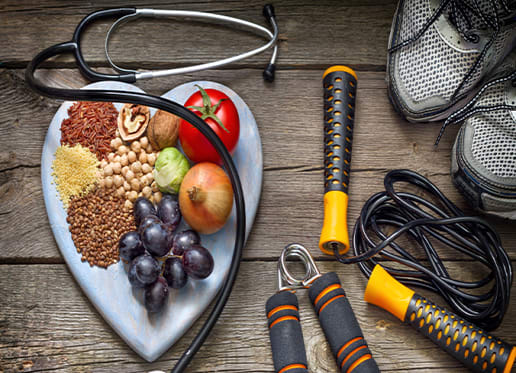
133, 280
149, 219
130, 246
147, 269
168, 209
156, 295
142, 207
184, 240
155, 238
197, 262
174, 273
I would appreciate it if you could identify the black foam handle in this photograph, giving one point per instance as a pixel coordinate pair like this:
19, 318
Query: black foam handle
467, 343
340, 326
339, 117
287, 344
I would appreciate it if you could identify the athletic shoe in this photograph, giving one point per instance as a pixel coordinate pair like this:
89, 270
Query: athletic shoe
484, 154
439, 51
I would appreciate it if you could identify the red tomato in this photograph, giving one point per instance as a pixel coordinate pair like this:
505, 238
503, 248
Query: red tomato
221, 115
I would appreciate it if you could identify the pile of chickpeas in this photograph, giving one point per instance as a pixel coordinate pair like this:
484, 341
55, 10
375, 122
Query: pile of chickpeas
128, 169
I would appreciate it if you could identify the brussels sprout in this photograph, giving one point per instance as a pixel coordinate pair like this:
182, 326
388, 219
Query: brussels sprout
170, 169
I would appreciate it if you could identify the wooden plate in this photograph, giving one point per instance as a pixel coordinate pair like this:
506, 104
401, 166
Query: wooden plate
109, 289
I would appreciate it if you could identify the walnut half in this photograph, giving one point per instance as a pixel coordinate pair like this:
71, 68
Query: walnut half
132, 121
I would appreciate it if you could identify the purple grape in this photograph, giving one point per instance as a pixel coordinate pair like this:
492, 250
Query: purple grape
197, 262
174, 273
156, 295
133, 280
130, 246
147, 269
185, 240
149, 219
168, 209
142, 208
155, 238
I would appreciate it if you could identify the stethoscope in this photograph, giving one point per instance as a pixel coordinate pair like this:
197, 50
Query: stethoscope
130, 76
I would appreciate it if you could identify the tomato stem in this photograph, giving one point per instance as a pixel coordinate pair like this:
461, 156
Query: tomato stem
208, 110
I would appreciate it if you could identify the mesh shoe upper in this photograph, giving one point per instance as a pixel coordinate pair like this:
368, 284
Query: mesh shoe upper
484, 155
425, 74
493, 143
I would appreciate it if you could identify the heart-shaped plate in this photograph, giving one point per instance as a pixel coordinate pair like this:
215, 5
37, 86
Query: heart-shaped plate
150, 335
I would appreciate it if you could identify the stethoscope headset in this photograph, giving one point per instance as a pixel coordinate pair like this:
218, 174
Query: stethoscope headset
131, 76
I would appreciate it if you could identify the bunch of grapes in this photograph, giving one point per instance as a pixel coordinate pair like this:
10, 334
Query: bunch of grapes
159, 257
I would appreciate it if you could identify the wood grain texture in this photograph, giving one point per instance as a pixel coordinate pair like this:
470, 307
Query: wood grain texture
288, 114
338, 31
49, 325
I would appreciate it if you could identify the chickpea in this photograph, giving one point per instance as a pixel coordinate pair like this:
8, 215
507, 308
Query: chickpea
150, 177
140, 194
146, 192
127, 186
122, 149
103, 163
129, 175
128, 204
157, 196
111, 156
151, 158
132, 195
136, 146
146, 169
120, 191
136, 185
136, 167
131, 156
144, 141
108, 170
124, 171
149, 149
118, 180
143, 157
102, 183
113, 144
109, 182
118, 142
123, 160
117, 159
117, 168
154, 186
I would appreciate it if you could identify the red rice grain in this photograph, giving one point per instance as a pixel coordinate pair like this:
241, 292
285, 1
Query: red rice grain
91, 124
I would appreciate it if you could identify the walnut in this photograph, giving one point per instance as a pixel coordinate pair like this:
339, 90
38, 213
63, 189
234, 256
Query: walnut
133, 121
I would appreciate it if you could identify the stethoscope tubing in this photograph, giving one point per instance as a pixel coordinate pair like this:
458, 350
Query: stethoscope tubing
181, 111
216, 18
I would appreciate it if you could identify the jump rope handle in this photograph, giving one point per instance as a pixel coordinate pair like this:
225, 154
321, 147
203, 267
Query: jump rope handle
287, 344
473, 347
340, 85
340, 326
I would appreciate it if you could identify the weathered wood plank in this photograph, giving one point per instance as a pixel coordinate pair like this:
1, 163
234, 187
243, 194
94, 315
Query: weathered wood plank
287, 117
51, 326
355, 32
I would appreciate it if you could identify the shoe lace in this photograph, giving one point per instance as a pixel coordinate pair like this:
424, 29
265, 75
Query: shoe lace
470, 109
461, 13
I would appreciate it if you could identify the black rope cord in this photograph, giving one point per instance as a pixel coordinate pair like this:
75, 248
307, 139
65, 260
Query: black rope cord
390, 214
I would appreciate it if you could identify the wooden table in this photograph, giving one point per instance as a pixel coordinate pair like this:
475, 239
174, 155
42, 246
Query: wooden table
47, 324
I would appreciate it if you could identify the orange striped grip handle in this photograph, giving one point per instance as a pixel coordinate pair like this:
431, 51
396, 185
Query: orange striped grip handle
340, 326
287, 345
